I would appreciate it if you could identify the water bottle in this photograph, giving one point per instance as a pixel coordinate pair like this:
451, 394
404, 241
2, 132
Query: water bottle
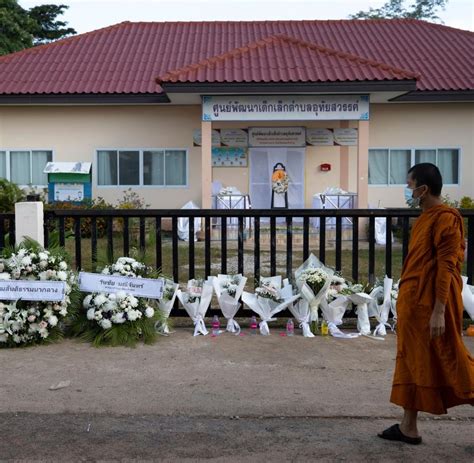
324, 328
253, 325
290, 327
216, 326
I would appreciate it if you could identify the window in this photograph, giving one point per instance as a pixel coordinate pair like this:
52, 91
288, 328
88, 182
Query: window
25, 167
143, 168
390, 166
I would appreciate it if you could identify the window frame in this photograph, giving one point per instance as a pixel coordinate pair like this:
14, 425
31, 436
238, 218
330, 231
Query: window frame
30, 151
141, 168
412, 163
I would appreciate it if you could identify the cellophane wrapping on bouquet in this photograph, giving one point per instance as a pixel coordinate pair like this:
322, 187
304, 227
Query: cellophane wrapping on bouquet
165, 305
313, 280
269, 299
381, 305
333, 311
468, 297
361, 300
229, 289
196, 300
301, 312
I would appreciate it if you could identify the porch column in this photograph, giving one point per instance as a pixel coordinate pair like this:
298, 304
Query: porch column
344, 162
363, 165
206, 164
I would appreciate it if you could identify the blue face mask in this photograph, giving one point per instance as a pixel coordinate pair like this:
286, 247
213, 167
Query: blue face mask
410, 200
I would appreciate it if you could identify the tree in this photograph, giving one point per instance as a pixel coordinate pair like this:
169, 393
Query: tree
20, 28
420, 9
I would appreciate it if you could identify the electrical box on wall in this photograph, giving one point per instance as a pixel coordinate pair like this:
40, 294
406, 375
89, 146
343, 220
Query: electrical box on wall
325, 167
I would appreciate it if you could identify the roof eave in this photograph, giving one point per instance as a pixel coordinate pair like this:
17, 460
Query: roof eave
84, 98
434, 96
289, 87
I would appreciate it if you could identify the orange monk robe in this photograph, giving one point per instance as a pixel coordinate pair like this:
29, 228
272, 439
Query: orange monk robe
432, 375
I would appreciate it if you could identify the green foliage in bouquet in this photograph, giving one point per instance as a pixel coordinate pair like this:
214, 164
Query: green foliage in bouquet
24, 323
118, 319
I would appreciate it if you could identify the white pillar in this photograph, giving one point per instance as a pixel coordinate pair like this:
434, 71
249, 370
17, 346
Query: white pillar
363, 165
29, 222
206, 164
344, 162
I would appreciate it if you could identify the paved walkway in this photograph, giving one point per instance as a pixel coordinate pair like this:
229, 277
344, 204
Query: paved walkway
228, 398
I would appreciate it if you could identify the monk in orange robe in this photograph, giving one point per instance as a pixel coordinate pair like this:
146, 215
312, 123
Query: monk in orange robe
434, 370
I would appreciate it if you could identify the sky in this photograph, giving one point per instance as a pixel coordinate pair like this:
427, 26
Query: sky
87, 15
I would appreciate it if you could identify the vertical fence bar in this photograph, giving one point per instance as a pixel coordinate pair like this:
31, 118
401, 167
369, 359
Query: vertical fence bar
110, 239
224, 245
355, 249
2, 233
305, 238
405, 236
289, 246
272, 245
240, 247
62, 232
191, 269
470, 250
256, 251
388, 247
126, 237
322, 239
338, 243
158, 248
174, 238
77, 241
142, 235
207, 246
46, 220
94, 243
371, 250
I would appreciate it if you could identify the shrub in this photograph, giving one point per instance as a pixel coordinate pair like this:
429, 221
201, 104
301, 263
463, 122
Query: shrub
10, 193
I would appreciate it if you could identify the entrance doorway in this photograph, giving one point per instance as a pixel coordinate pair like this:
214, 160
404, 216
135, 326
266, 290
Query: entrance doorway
262, 161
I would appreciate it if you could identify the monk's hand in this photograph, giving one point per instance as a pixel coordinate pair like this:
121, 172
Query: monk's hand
437, 322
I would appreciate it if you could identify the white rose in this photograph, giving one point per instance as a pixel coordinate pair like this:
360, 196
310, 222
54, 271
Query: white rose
87, 301
43, 264
105, 324
61, 275
43, 256
62, 265
149, 312
90, 314
43, 276
53, 320
5, 276
44, 333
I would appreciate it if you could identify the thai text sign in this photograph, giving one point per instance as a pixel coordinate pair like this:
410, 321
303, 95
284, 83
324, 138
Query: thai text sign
285, 107
277, 136
140, 287
30, 290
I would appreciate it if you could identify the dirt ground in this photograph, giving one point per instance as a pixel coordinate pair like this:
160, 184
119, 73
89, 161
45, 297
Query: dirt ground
226, 398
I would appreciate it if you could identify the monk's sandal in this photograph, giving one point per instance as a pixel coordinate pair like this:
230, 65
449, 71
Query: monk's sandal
394, 433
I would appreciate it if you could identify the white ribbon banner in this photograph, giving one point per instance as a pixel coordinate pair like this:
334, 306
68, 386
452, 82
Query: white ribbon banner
13, 290
141, 287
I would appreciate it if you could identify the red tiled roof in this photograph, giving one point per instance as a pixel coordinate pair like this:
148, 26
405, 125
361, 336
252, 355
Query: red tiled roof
285, 59
127, 57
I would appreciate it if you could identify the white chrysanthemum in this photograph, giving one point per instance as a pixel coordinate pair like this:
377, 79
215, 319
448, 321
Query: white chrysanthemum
17, 339
44, 333
98, 315
133, 315
42, 256
5, 276
53, 320
149, 312
120, 295
90, 314
100, 299
105, 324
87, 301
105, 271
62, 265
61, 275
133, 301
26, 260
118, 318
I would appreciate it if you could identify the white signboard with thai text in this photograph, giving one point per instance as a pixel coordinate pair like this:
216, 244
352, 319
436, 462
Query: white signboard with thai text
319, 137
30, 290
285, 107
276, 136
69, 191
236, 138
140, 287
197, 137
345, 137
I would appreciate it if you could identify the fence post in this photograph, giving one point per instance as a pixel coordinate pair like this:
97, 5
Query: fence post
29, 222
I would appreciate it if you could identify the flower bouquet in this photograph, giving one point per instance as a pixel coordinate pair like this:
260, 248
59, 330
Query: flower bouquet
468, 297
269, 299
313, 280
25, 322
355, 293
381, 305
280, 181
302, 314
165, 305
333, 309
196, 300
118, 319
229, 289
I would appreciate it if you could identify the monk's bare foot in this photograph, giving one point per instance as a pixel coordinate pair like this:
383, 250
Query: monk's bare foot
409, 432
